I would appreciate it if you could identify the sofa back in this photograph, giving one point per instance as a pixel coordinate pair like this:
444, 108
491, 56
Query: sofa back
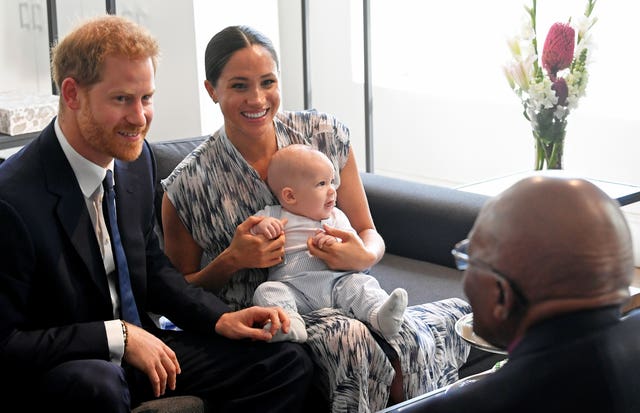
168, 155
416, 220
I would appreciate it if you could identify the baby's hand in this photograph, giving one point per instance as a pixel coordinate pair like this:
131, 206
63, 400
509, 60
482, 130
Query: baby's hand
269, 227
321, 239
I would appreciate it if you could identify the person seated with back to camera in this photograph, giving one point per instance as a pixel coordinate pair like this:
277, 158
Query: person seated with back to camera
548, 268
302, 179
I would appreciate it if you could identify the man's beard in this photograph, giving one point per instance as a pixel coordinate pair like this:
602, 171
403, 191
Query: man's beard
109, 142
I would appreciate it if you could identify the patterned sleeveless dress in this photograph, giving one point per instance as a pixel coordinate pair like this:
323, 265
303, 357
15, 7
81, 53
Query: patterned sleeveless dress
214, 190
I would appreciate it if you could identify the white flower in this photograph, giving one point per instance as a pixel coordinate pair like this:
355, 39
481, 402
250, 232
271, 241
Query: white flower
534, 89
526, 77
542, 96
520, 75
583, 25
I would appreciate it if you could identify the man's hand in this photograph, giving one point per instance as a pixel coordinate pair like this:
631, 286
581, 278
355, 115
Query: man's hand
149, 354
249, 323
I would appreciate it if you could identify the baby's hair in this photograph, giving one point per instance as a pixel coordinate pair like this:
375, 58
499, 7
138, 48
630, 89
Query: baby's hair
289, 162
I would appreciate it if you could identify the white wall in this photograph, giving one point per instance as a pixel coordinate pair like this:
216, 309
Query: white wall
291, 65
24, 51
334, 43
176, 101
72, 12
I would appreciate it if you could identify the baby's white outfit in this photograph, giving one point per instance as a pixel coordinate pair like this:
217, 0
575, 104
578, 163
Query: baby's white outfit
303, 283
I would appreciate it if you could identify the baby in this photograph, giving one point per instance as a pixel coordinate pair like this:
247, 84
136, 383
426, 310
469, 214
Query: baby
302, 179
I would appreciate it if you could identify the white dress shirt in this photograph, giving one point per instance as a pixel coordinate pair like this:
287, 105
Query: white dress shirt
90, 176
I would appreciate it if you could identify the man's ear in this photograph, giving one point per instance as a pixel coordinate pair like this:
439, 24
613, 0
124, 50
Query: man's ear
70, 93
505, 300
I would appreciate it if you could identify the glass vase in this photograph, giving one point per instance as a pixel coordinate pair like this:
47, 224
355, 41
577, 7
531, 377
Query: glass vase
549, 154
548, 133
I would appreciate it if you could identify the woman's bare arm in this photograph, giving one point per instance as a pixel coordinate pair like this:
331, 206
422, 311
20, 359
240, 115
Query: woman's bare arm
246, 250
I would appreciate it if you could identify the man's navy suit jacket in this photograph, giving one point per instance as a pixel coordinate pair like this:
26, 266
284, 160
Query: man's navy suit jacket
587, 361
54, 295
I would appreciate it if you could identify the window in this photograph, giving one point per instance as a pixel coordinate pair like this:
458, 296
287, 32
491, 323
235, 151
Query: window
442, 109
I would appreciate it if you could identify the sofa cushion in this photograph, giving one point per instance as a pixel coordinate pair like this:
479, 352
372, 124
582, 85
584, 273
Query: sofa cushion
424, 281
418, 220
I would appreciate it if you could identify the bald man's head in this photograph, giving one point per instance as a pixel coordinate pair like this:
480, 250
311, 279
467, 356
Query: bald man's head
557, 238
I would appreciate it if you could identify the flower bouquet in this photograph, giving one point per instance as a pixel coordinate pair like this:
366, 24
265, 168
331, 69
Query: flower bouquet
550, 88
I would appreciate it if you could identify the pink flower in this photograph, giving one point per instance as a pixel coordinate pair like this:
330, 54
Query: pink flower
562, 90
557, 53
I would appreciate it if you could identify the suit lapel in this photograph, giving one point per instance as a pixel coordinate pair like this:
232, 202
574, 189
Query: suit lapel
126, 187
71, 208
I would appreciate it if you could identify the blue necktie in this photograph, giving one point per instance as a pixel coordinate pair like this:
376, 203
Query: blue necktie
128, 307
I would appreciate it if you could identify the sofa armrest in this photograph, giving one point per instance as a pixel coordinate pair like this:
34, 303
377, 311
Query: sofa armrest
418, 220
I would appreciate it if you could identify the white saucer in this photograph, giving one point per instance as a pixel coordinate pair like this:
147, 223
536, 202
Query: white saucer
464, 328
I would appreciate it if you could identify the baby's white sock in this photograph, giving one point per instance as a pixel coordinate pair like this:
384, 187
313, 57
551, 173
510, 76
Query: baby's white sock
297, 330
387, 319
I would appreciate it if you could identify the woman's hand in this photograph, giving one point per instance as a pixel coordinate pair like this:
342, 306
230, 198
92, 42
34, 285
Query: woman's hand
349, 255
255, 251
321, 239
245, 251
270, 227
